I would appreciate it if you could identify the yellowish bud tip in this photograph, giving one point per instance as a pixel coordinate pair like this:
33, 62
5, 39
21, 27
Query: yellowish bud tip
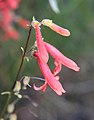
46, 22
35, 23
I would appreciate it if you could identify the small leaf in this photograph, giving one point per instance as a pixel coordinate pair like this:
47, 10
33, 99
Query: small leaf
22, 49
5, 93
27, 59
33, 18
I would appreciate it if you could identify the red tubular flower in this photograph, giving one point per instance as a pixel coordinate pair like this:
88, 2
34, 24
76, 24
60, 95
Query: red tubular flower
44, 48
21, 21
7, 17
40, 44
56, 28
57, 55
13, 4
2, 4
11, 33
49, 77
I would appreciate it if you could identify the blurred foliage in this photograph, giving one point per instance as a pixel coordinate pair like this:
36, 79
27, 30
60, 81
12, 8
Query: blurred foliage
78, 102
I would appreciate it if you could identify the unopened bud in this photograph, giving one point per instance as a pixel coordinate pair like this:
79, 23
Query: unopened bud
13, 117
10, 108
60, 30
1, 118
27, 59
17, 87
26, 82
18, 95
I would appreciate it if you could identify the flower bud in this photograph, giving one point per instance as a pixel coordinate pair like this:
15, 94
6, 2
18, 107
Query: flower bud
26, 81
10, 108
17, 87
13, 117
60, 30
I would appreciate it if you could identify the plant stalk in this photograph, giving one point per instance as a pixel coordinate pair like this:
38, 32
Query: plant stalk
17, 76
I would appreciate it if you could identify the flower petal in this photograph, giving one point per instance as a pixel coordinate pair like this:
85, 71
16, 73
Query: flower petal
49, 77
60, 30
56, 54
40, 44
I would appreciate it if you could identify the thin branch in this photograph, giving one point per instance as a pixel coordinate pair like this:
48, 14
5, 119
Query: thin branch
17, 76
22, 57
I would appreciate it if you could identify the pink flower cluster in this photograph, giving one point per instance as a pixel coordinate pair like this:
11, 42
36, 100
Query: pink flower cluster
42, 55
7, 17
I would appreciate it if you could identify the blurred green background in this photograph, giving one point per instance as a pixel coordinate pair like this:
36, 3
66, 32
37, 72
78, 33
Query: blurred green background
78, 101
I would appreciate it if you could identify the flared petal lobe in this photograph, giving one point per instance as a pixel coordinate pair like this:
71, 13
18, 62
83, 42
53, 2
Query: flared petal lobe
43, 87
57, 68
57, 55
60, 30
40, 44
49, 77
